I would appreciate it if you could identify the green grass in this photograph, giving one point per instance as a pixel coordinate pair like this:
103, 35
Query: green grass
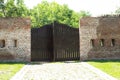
112, 67
7, 70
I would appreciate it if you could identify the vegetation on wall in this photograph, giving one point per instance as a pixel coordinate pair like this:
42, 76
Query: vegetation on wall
43, 13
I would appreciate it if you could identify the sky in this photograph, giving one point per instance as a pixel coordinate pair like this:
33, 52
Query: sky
95, 7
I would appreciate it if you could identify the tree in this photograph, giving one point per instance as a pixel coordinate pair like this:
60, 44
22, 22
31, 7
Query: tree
45, 13
13, 8
10, 8
2, 8
22, 10
41, 14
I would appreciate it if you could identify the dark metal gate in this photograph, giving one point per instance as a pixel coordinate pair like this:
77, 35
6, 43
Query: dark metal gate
66, 42
56, 42
42, 43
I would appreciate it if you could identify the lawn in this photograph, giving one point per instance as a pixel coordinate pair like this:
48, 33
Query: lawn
7, 70
112, 67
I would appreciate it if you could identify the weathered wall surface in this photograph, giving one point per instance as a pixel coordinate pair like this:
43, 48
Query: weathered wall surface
106, 28
16, 34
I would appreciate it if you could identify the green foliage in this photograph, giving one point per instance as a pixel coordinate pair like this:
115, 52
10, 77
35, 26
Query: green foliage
45, 13
2, 8
41, 14
12, 9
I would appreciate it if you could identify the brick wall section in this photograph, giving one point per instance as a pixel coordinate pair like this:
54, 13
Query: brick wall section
15, 29
98, 28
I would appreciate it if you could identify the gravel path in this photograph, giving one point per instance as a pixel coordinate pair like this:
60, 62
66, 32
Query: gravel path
59, 71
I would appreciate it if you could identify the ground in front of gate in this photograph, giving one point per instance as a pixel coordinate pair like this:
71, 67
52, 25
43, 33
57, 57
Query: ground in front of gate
58, 71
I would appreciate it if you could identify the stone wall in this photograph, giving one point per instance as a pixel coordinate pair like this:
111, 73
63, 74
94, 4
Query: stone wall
15, 33
99, 38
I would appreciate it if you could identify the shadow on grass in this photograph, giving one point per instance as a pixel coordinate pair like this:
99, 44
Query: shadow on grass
103, 61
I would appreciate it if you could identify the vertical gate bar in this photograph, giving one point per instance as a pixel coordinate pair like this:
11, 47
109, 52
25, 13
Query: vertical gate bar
75, 54
53, 32
65, 53
71, 53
